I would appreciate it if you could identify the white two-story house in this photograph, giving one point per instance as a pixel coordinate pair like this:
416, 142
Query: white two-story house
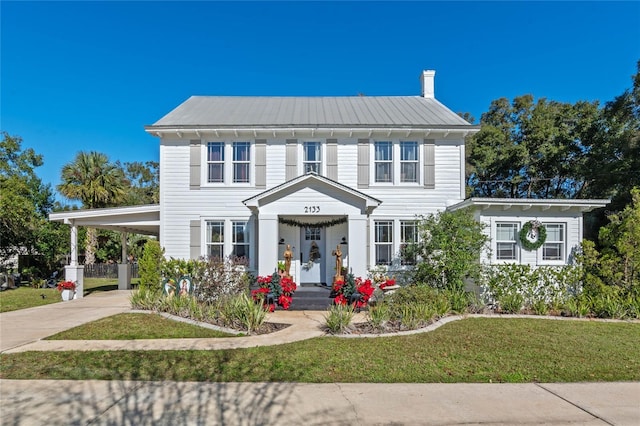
247, 176
251, 176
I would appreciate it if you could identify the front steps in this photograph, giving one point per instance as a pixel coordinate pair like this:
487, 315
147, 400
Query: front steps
311, 298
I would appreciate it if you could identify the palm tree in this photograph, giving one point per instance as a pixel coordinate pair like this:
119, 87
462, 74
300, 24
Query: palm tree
97, 183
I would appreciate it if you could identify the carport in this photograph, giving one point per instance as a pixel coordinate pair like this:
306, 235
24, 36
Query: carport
144, 220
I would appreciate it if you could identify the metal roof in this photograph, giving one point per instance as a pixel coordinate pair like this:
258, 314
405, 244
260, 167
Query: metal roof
347, 111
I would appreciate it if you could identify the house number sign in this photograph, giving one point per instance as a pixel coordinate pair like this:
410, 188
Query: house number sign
312, 209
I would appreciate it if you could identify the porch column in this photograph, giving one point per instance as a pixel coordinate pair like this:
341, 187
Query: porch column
73, 271
124, 268
358, 245
267, 244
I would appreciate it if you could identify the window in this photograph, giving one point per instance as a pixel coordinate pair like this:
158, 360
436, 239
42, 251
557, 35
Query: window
383, 161
408, 236
241, 160
215, 161
215, 239
240, 239
312, 160
553, 248
506, 237
312, 233
409, 162
383, 241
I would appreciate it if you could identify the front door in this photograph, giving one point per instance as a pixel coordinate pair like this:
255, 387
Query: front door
312, 256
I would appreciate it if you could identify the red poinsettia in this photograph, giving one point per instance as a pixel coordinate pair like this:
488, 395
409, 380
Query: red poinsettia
66, 285
388, 283
340, 299
274, 290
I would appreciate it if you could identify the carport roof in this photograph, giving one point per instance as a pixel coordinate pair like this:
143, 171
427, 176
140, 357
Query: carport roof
143, 220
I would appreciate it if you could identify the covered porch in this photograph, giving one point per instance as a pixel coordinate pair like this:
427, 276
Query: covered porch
314, 216
143, 220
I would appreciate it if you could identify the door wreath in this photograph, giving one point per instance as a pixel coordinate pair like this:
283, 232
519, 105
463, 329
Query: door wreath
533, 235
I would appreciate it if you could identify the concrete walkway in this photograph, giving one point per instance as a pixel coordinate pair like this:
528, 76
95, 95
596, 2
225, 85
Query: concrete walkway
62, 402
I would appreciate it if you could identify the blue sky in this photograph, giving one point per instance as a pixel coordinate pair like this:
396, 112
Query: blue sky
89, 75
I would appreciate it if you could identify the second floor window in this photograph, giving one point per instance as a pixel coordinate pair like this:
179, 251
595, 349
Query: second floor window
241, 162
215, 162
312, 160
409, 162
384, 161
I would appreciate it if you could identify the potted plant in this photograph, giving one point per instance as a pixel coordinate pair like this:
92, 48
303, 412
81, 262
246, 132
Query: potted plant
67, 289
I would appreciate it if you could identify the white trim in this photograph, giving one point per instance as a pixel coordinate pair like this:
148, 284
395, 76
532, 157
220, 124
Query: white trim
584, 205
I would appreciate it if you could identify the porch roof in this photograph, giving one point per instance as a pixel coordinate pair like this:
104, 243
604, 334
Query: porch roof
143, 220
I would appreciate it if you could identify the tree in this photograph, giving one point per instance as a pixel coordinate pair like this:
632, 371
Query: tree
97, 183
449, 246
143, 179
614, 149
25, 203
531, 149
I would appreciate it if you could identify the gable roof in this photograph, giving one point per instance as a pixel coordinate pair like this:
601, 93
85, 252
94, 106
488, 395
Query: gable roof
345, 111
309, 178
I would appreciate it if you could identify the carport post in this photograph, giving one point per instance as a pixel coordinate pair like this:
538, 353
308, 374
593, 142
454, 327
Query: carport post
73, 271
124, 268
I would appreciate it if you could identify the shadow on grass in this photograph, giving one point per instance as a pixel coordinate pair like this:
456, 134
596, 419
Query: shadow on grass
106, 287
123, 401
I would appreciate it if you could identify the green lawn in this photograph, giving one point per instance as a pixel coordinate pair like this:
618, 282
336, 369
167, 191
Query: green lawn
473, 350
27, 297
136, 326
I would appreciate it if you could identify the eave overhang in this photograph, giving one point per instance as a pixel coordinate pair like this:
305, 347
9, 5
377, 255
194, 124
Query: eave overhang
203, 132
524, 204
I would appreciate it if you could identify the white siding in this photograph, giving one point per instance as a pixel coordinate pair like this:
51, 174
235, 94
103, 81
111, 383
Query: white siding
572, 219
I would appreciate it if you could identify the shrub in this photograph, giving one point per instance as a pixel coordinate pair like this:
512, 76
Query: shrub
511, 303
146, 299
458, 300
338, 318
449, 246
219, 278
578, 306
149, 266
379, 315
551, 285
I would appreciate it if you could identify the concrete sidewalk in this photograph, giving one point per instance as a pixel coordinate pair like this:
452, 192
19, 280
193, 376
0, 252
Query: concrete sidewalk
169, 403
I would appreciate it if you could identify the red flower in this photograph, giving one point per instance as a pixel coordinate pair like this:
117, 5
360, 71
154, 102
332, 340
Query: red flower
340, 300
285, 301
66, 285
271, 307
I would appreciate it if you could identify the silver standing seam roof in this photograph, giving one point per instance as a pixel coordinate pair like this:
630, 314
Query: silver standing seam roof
345, 111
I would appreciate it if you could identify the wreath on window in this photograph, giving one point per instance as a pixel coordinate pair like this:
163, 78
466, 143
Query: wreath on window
533, 235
